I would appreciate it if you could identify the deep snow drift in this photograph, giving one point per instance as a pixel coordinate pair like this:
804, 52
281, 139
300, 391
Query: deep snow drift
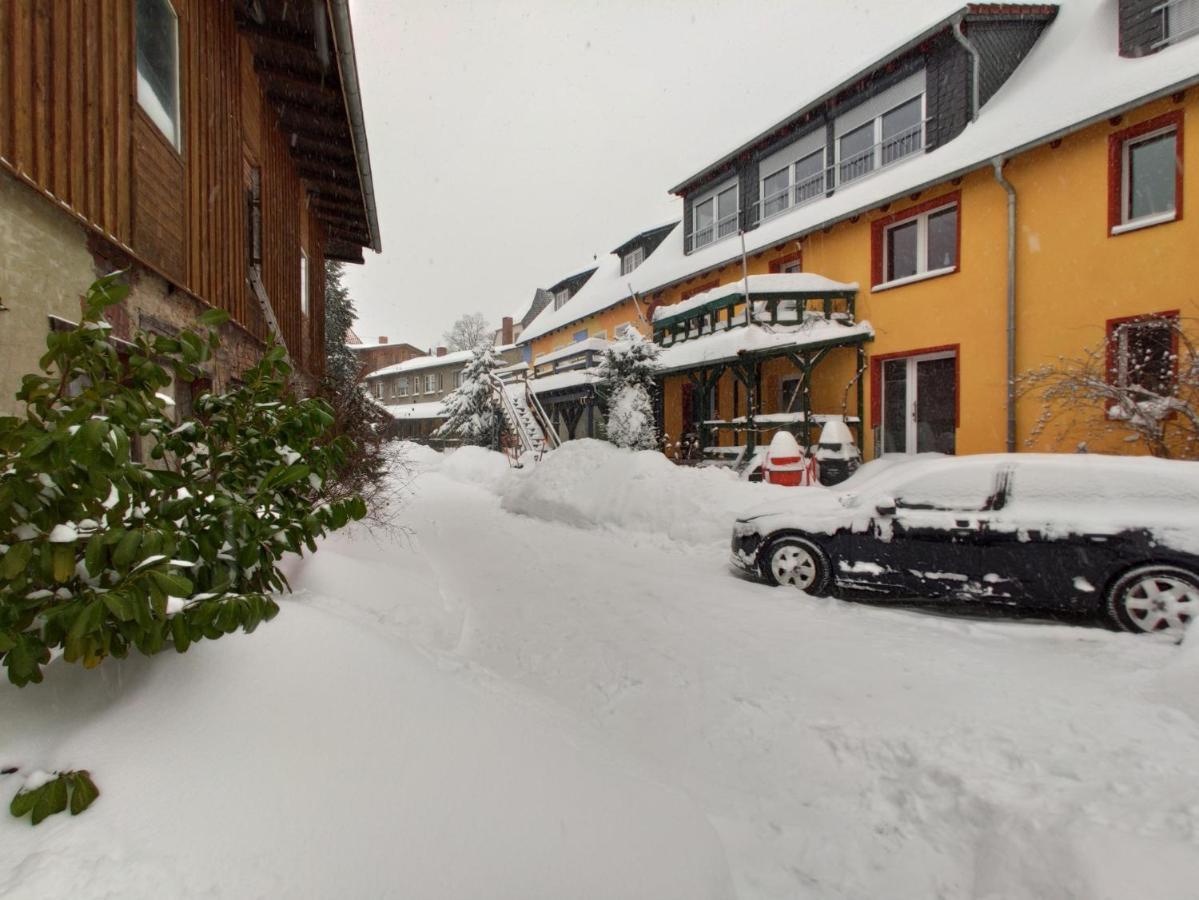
553, 688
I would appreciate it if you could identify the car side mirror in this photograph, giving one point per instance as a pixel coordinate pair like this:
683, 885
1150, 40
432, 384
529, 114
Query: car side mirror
885, 506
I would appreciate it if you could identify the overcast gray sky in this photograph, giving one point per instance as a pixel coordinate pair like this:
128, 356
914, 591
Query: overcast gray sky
512, 140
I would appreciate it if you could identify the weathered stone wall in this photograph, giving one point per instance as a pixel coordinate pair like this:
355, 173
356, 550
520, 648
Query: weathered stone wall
47, 261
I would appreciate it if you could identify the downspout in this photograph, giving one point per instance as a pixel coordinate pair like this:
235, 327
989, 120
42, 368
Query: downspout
1011, 302
976, 64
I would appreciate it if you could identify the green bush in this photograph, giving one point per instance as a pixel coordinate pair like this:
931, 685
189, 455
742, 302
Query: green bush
101, 552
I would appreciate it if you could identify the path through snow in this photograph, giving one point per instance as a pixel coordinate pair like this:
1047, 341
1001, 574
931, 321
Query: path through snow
839, 750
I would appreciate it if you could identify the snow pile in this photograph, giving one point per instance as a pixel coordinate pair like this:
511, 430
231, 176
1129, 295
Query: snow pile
319, 758
591, 484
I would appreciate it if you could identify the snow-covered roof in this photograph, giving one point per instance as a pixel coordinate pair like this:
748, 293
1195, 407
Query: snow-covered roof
561, 380
789, 283
1072, 77
592, 344
724, 346
423, 362
406, 411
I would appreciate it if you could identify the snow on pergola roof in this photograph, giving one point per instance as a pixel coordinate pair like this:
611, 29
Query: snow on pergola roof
789, 284
727, 346
1072, 78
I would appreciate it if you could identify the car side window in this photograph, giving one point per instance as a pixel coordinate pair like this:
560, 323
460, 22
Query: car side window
970, 488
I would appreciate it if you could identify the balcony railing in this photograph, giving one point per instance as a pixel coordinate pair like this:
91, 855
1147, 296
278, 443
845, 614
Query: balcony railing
721, 228
872, 159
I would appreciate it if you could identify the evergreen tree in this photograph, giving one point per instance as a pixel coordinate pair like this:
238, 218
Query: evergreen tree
341, 365
628, 371
473, 412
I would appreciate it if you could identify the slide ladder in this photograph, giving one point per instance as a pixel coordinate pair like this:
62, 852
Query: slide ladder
526, 420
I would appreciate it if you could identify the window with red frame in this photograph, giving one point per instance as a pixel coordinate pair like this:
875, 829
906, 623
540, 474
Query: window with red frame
1145, 174
1143, 352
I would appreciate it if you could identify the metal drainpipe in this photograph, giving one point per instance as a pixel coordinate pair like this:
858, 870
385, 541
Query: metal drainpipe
973, 51
1011, 302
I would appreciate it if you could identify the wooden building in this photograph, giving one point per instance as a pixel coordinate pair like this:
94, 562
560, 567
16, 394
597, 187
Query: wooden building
216, 149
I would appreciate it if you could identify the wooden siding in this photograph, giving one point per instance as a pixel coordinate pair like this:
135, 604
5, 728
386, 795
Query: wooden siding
70, 125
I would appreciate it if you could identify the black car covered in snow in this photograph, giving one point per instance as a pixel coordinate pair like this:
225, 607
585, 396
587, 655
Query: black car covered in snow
1112, 535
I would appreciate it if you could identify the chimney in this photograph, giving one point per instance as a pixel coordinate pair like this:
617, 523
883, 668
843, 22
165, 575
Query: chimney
383, 339
441, 351
506, 331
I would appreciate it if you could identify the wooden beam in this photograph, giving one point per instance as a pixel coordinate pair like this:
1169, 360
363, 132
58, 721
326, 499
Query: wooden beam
321, 147
299, 79
284, 39
320, 105
326, 175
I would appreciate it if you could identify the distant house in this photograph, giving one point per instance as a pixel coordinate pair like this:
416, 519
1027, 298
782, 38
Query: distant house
382, 354
413, 391
215, 150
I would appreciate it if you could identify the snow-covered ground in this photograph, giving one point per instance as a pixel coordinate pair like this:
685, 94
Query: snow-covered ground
552, 688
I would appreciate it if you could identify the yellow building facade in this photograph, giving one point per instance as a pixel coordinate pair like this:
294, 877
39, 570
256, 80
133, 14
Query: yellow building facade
1081, 271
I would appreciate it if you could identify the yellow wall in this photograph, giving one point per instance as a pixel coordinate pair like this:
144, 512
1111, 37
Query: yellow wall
1072, 277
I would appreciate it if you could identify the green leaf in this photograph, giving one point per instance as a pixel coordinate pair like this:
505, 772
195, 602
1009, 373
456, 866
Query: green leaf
93, 556
53, 799
88, 620
213, 317
17, 559
84, 791
126, 550
172, 584
22, 802
180, 634
64, 561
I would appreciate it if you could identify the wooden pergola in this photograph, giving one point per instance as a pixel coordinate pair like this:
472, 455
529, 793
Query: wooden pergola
802, 320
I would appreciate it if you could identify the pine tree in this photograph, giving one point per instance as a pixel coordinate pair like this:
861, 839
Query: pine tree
628, 371
473, 412
341, 365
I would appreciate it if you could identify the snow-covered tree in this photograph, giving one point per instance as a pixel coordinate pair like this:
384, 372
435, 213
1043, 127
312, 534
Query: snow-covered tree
473, 412
468, 332
341, 365
1141, 384
628, 372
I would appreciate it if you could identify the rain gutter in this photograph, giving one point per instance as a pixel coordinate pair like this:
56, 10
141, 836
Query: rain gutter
347, 66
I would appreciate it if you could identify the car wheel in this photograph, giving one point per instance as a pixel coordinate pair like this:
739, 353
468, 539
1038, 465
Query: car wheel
797, 562
1154, 599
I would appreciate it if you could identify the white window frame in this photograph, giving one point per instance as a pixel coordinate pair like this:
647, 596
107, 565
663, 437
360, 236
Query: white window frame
632, 260
402, 385
431, 383
872, 112
175, 140
303, 282
377, 389
713, 194
922, 270
912, 429
788, 158
561, 298
1167, 10
1126, 222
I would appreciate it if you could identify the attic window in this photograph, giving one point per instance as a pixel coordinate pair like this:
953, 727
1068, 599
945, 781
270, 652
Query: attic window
1180, 19
714, 215
157, 40
632, 260
560, 298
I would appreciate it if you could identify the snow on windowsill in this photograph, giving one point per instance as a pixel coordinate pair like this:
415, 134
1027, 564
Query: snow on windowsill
912, 279
1146, 222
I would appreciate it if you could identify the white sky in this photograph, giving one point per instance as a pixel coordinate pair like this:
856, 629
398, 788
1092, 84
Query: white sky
512, 140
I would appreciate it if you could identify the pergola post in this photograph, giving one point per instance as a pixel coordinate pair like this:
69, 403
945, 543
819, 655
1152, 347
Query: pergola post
807, 400
861, 398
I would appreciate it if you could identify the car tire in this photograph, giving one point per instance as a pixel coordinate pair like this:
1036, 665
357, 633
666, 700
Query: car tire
1155, 599
798, 562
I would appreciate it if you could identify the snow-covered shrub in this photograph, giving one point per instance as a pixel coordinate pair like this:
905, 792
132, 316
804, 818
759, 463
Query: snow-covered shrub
627, 370
473, 412
1141, 385
100, 552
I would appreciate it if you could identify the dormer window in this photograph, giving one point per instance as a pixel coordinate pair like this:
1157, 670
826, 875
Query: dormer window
1180, 19
881, 130
793, 175
714, 215
632, 260
560, 298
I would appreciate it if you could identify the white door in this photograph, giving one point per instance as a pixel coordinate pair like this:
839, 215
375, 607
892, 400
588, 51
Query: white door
919, 403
